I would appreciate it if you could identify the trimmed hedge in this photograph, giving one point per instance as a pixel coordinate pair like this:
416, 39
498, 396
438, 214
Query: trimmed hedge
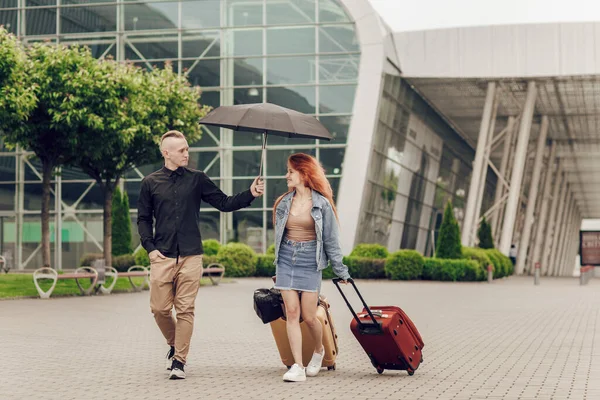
365, 268
370, 250
207, 260
265, 266
440, 269
404, 265
479, 255
141, 257
505, 267
239, 259
211, 247
123, 262
88, 258
271, 249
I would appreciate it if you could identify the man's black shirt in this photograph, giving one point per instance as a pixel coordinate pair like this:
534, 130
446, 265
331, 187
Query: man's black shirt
173, 198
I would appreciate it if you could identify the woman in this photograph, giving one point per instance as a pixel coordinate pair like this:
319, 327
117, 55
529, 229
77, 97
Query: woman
306, 239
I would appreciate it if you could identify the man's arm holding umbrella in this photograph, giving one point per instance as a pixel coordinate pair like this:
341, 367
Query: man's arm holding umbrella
219, 200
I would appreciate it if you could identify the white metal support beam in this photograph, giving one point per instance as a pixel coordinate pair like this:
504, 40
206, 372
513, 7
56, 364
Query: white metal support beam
518, 169
503, 167
532, 198
557, 192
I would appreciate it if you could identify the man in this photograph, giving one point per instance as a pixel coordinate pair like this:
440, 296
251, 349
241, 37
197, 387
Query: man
172, 195
512, 254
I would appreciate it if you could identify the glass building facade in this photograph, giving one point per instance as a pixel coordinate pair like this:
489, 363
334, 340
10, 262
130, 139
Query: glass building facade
301, 54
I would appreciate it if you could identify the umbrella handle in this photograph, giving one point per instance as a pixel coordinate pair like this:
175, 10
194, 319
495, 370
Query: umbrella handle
262, 155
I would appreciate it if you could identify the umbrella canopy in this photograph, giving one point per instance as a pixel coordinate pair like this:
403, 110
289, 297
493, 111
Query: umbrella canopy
267, 118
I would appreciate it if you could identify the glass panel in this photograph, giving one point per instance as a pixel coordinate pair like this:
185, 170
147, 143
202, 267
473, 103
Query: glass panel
338, 68
246, 163
8, 240
7, 197
210, 225
88, 19
247, 42
7, 169
290, 41
240, 185
151, 48
101, 49
244, 12
86, 1
248, 96
200, 14
211, 98
41, 22
300, 98
374, 229
275, 187
150, 16
35, 3
93, 200
206, 140
277, 160
33, 197
208, 162
290, 70
8, 3
248, 228
150, 168
245, 138
332, 11
197, 45
332, 160
290, 12
336, 99
338, 127
133, 191
248, 72
9, 20
335, 186
206, 73
337, 39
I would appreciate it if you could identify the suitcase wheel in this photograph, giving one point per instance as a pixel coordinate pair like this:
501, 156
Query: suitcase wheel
288, 366
379, 370
331, 367
410, 372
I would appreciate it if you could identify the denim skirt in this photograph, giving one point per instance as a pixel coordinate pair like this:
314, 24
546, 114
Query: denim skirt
297, 266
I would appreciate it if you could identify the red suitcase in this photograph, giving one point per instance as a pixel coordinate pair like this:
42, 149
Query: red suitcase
387, 335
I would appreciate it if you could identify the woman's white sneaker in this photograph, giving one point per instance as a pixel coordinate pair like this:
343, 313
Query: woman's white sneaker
314, 366
295, 374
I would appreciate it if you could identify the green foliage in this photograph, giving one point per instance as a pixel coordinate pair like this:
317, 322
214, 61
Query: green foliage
88, 258
211, 247
479, 255
486, 241
121, 224
370, 250
449, 238
123, 262
207, 260
365, 268
502, 264
239, 259
404, 265
265, 266
440, 269
271, 249
141, 257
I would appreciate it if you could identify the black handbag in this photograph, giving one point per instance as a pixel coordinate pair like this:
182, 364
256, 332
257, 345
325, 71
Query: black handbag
268, 304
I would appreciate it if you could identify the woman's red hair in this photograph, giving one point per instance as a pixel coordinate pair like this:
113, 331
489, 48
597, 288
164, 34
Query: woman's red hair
313, 175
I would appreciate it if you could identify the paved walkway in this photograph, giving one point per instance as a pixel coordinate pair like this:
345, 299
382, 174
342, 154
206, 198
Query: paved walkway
508, 340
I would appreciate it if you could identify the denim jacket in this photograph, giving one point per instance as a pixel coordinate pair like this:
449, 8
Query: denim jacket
327, 232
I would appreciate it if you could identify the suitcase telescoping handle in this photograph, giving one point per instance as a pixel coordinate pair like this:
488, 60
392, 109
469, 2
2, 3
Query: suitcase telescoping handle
337, 281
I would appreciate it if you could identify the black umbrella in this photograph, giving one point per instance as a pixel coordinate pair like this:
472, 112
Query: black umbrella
269, 119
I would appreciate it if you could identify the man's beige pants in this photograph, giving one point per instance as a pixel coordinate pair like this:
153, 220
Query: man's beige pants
175, 282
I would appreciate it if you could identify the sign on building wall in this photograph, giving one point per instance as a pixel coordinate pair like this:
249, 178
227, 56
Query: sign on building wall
589, 247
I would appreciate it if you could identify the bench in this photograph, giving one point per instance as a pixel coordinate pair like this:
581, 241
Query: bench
215, 272
79, 273
136, 271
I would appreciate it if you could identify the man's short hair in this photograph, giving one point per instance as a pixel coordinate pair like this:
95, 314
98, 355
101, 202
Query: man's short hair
175, 134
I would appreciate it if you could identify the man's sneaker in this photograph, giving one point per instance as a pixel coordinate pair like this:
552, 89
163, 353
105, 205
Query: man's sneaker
169, 359
314, 366
177, 371
295, 374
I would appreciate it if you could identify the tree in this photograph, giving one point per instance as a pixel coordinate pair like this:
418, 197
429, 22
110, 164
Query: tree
137, 108
121, 224
57, 77
449, 238
486, 241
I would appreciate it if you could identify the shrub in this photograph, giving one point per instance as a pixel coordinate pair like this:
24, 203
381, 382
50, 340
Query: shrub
239, 259
123, 262
369, 250
440, 269
265, 266
87, 259
504, 261
497, 262
365, 268
121, 224
486, 241
404, 265
271, 249
211, 247
449, 238
479, 255
141, 257
207, 260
